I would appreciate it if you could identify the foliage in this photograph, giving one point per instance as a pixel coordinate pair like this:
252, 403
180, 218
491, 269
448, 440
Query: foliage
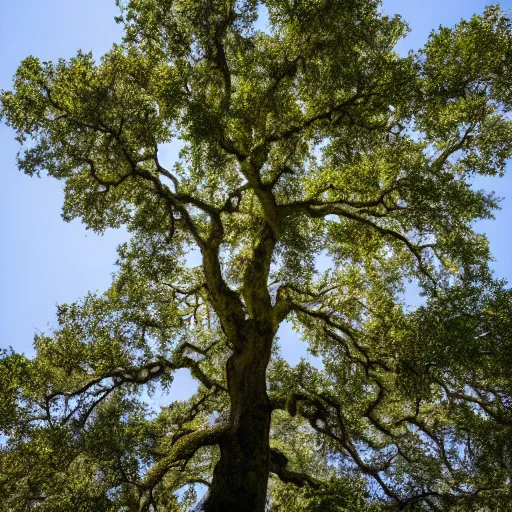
304, 136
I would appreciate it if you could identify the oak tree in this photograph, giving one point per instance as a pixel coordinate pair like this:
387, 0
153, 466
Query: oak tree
320, 172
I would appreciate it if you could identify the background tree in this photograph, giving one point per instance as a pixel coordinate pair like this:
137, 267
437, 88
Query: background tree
303, 134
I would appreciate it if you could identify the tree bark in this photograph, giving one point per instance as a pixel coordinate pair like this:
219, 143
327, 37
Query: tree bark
240, 477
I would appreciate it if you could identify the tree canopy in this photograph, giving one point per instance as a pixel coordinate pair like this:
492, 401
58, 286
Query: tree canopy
306, 138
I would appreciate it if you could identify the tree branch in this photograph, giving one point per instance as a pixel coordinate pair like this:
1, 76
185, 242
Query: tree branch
184, 449
279, 466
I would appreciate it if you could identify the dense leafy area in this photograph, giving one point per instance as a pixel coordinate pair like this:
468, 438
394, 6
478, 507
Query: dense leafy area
305, 139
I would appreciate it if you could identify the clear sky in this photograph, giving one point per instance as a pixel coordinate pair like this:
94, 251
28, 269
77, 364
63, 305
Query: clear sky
45, 261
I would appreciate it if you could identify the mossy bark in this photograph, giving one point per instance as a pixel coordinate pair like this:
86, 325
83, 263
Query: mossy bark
241, 475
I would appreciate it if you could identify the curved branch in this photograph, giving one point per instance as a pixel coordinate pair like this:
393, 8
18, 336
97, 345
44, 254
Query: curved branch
326, 115
132, 375
279, 466
337, 209
184, 449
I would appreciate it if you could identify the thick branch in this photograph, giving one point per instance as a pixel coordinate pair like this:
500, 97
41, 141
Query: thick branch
255, 289
184, 449
279, 466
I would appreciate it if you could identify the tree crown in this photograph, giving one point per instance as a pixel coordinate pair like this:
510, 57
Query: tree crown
304, 135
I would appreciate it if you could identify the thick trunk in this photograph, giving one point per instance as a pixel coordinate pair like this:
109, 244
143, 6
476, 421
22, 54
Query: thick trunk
240, 477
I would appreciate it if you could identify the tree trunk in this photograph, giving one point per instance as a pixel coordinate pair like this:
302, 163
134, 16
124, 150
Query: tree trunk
240, 477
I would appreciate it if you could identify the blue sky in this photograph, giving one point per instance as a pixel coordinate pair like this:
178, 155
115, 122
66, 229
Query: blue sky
45, 261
